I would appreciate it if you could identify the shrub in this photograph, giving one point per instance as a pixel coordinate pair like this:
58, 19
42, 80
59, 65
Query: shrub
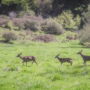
28, 13
52, 27
9, 36
85, 35
6, 23
28, 22
68, 21
3, 22
86, 15
4, 17
45, 38
72, 37
32, 25
19, 23
29, 32
9, 25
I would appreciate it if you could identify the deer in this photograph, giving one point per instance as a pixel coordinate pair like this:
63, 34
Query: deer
85, 58
26, 59
63, 60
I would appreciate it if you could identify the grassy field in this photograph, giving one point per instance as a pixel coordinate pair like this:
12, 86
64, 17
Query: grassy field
48, 74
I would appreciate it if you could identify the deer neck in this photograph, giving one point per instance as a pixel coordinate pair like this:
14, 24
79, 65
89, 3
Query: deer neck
81, 54
21, 57
58, 58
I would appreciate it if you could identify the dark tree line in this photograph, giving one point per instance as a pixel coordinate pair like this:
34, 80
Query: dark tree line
45, 7
53, 7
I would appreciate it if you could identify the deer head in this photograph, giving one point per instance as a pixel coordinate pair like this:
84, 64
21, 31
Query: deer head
80, 52
56, 55
19, 54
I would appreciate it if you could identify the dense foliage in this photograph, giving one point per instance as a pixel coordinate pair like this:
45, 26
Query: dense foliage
68, 20
47, 6
69, 14
52, 27
9, 36
85, 33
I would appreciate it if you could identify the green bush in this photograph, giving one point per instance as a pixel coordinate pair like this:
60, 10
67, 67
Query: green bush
32, 25
9, 36
10, 25
52, 27
45, 38
44, 7
26, 13
86, 15
85, 35
68, 21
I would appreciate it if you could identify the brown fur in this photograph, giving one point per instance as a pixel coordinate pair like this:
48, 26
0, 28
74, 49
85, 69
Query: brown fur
27, 58
85, 58
63, 60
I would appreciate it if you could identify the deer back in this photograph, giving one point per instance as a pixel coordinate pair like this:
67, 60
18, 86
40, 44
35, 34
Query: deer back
29, 58
85, 57
65, 59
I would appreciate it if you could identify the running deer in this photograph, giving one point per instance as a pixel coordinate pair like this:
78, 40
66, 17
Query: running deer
62, 60
26, 59
85, 58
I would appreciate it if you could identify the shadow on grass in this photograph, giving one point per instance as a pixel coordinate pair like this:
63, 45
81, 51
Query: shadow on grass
77, 71
81, 66
75, 47
2, 41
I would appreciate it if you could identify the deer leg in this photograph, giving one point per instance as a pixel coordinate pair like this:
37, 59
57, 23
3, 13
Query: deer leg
84, 62
26, 64
61, 63
35, 62
23, 63
71, 63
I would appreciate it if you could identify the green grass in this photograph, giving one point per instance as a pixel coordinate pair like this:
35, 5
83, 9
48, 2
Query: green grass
48, 74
